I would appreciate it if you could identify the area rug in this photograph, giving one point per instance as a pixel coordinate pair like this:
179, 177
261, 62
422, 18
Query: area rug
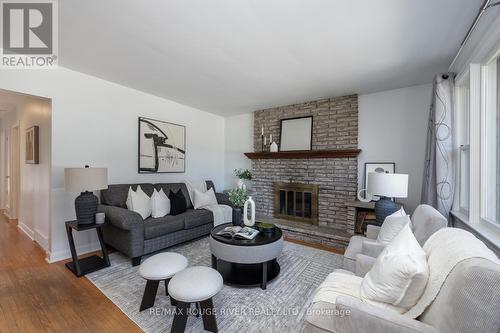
280, 308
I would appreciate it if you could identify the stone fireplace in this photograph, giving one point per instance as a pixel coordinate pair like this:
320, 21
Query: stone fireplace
335, 127
296, 201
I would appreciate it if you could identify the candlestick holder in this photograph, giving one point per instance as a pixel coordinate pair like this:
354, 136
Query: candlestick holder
262, 142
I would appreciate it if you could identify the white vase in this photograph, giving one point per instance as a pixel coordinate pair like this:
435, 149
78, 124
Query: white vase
249, 222
242, 184
273, 147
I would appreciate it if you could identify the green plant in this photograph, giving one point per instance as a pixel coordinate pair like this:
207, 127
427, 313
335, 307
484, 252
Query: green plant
237, 197
243, 174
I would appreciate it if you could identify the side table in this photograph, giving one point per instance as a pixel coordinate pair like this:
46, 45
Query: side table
89, 264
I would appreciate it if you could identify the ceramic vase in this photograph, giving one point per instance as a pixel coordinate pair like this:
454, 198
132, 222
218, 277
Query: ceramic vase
273, 148
249, 222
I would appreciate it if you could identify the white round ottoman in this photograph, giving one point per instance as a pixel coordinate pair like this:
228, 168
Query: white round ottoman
195, 285
160, 267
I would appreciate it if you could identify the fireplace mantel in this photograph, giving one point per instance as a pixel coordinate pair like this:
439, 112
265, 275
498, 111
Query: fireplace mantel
304, 154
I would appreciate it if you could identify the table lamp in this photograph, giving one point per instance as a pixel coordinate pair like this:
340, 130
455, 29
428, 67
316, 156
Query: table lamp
386, 186
83, 181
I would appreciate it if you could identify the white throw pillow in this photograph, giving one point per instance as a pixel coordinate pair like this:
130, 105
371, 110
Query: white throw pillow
400, 273
392, 225
204, 199
139, 202
160, 204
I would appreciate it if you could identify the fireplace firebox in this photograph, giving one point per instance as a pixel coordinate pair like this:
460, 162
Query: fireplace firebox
296, 201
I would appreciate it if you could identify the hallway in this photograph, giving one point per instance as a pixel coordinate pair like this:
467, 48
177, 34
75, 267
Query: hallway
38, 297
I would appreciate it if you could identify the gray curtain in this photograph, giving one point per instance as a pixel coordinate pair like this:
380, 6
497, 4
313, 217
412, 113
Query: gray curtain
438, 186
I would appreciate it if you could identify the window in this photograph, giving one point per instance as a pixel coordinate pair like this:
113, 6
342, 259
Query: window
462, 94
490, 143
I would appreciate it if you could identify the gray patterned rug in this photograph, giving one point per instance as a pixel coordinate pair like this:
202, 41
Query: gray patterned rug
280, 308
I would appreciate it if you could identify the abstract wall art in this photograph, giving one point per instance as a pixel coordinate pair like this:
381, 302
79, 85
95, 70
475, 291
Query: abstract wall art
162, 146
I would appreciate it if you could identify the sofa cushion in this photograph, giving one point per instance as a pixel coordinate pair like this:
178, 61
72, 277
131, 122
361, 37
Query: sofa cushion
400, 273
391, 227
161, 226
202, 199
139, 202
116, 195
426, 220
174, 187
177, 202
194, 218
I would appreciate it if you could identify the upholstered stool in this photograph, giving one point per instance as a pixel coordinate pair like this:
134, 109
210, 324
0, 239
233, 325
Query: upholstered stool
160, 267
195, 285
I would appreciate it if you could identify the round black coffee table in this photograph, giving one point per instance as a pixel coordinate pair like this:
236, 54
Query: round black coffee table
247, 263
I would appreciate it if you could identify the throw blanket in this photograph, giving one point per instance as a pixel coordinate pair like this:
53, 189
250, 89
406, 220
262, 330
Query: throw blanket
445, 249
340, 283
222, 213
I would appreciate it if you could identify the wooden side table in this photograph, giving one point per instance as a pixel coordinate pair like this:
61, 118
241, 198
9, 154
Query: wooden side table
364, 214
80, 267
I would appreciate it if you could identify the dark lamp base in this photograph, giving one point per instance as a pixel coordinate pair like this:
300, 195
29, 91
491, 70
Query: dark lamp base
86, 208
383, 208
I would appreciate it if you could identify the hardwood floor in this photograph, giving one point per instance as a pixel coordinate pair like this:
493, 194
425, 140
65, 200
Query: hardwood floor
38, 297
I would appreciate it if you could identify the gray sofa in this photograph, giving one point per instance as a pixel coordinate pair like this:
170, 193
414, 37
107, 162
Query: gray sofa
127, 232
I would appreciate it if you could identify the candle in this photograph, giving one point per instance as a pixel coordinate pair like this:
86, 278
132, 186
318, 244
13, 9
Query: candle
265, 140
271, 138
262, 133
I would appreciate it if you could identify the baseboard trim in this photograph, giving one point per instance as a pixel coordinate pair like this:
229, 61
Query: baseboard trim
41, 239
27, 230
56, 256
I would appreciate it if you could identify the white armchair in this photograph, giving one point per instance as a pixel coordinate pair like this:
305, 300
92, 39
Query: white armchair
425, 221
468, 301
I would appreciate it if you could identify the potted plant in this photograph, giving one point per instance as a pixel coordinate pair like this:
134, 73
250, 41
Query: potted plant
243, 176
237, 198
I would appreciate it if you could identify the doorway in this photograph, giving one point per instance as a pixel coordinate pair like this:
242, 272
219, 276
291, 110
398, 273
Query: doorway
12, 176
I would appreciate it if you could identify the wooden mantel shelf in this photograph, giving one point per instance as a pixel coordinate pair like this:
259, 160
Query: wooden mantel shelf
304, 154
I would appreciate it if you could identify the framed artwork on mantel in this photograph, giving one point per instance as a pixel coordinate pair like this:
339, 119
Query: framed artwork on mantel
296, 133
162, 147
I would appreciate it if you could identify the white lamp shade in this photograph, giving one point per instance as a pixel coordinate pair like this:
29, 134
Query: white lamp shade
391, 185
85, 179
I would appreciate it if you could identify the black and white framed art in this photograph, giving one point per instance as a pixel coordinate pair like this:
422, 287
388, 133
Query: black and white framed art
162, 146
385, 167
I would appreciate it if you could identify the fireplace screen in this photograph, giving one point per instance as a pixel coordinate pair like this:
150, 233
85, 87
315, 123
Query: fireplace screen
297, 202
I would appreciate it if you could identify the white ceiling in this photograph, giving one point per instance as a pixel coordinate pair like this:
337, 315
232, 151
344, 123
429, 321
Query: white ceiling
236, 56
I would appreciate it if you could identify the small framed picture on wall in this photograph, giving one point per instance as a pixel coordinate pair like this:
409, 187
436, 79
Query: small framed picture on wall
32, 145
383, 167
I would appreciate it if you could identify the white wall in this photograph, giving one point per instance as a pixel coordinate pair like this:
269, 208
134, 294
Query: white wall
393, 128
238, 140
34, 209
94, 122
34, 191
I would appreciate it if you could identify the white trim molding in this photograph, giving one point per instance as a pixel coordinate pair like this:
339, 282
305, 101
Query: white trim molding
27, 230
41, 239
53, 257
475, 142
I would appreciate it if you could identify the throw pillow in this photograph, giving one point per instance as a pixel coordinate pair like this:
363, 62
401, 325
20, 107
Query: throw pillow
202, 199
177, 202
139, 202
160, 204
400, 273
392, 225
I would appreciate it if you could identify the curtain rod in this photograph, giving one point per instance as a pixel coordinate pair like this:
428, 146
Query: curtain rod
486, 5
